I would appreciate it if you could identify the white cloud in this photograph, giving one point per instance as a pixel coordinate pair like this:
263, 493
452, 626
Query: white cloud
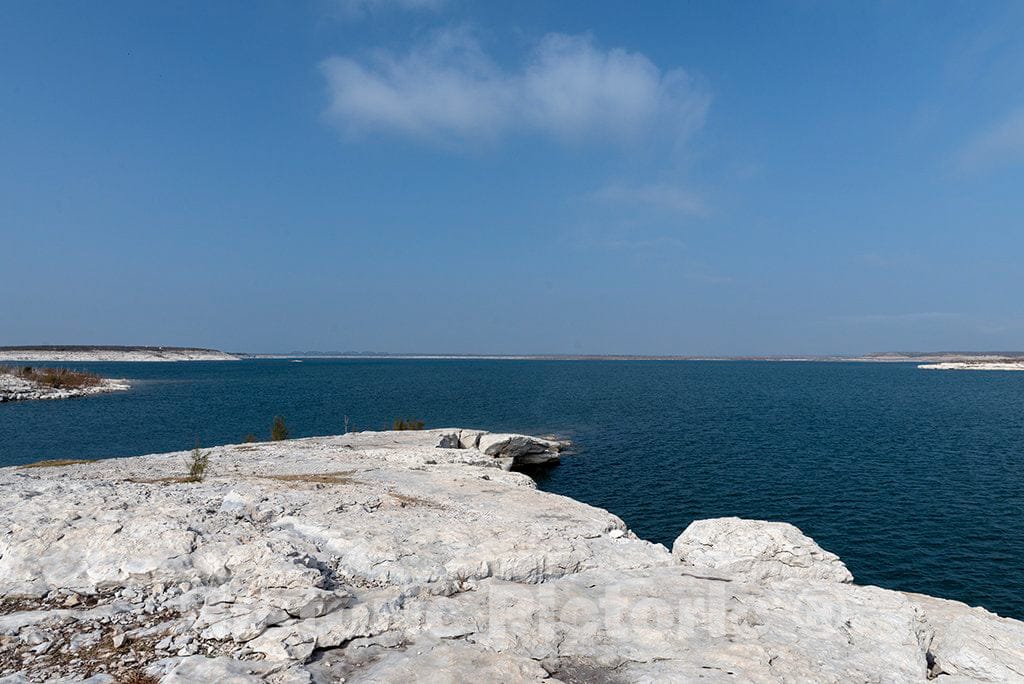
999, 145
664, 197
448, 90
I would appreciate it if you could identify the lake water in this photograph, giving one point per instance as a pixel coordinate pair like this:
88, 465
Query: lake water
915, 478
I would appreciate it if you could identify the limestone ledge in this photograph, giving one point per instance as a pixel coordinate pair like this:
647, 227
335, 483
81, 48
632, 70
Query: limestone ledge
975, 365
416, 556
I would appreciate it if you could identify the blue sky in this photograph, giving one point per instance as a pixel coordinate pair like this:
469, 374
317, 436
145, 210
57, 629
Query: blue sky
574, 177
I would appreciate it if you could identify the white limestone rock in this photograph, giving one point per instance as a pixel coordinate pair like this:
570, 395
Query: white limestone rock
376, 556
657, 624
972, 643
192, 669
755, 550
469, 439
453, 662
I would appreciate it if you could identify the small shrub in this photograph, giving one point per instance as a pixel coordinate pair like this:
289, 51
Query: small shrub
279, 431
250, 438
197, 464
407, 424
137, 677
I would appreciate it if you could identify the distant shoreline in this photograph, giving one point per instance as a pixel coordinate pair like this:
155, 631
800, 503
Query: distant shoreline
82, 353
107, 353
910, 357
1004, 365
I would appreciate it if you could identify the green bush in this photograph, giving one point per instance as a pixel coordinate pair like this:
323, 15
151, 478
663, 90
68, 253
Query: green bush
407, 424
279, 431
197, 464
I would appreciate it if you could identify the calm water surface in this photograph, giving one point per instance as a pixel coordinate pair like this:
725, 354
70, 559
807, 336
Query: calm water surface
915, 478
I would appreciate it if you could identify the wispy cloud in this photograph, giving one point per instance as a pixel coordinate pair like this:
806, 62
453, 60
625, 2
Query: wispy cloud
1000, 144
658, 243
879, 260
448, 90
665, 197
916, 317
357, 9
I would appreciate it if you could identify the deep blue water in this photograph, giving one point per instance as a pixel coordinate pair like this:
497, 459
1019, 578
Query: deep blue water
915, 478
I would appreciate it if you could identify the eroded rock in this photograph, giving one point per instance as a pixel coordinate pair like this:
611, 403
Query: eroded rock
755, 550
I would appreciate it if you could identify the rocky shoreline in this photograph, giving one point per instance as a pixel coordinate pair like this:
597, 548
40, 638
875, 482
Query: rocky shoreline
975, 365
14, 388
402, 556
111, 354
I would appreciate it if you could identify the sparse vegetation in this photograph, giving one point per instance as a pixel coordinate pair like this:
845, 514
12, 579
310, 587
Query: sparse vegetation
407, 424
55, 463
279, 431
197, 463
57, 378
250, 438
340, 477
408, 500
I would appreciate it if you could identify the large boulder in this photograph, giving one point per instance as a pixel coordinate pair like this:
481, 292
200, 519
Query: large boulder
522, 449
755, 550
469, 439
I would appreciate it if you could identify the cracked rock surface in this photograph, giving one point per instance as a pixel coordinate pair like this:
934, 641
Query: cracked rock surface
383, 557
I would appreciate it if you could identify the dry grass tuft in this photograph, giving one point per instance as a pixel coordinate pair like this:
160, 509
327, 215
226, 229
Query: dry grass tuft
54, 463
57, 378
409, 501
169, 479
341, 477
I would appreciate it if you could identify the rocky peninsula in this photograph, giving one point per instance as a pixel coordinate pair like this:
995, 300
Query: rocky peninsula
26, 383
403, 556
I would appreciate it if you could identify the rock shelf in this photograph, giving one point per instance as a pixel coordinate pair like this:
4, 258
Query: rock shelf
404, 556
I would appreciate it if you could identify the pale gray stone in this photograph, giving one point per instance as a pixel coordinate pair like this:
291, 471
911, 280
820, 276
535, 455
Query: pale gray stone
755, 549
469, 439
971, 642
449, 440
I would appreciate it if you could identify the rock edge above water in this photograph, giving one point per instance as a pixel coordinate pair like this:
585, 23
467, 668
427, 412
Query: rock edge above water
382, 557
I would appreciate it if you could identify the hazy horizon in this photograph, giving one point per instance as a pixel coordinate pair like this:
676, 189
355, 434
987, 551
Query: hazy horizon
716, 179
369, 353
